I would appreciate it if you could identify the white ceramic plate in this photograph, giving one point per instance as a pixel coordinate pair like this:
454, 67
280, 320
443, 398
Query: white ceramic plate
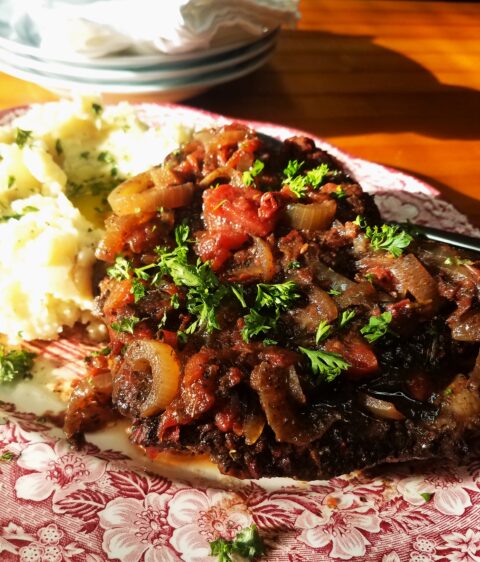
139, 75
22, 40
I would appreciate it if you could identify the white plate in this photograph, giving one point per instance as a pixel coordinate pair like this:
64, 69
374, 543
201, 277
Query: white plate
176, 89
23, 41
160, 72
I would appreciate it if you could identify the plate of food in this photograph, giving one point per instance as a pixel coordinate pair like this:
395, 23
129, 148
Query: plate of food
218, 345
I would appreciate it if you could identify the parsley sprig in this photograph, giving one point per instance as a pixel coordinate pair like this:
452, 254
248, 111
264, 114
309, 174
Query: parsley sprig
387, 237
126, 324
14, 364
249, 175
271, 300
377, 327
299, 184
328, 365
247, 544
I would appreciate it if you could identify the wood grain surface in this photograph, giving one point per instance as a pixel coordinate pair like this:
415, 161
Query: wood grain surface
396, 82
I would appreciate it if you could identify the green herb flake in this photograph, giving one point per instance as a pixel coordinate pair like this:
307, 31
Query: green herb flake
237, 290
249, 175
126, 324
106, 157
137, 290
346, 317
7, 456
120, 270
21, 137
293, 168
316, 177
268, 341
297, 185
426, 496
248, 544
334, 292
448, 391
294, 265
256, 324
15, 364
97, 108
174, 301
339, 193
221, 204
387, 237
377, 327
279, 296
325, 364
85, 155
10, 181
102, 352
323, 331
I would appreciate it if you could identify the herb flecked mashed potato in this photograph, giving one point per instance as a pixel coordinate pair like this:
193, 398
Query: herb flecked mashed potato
58, 163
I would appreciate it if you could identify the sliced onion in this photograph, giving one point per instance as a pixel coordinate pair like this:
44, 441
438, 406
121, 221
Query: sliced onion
261, 266
413, 278
233, 177
253, 427
320, 307
161, 359
326, 275
225, 136
381, 408
315, 216
468, 327
148, 191
358, 294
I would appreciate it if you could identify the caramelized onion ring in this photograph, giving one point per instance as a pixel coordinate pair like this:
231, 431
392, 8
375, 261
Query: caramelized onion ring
161, 359
381, 408
148, 191
315, 216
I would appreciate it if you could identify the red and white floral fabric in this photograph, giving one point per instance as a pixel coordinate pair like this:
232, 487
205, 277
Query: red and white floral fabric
61, 504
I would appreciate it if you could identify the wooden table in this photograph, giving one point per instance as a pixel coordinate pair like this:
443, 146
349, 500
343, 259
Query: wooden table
395, 82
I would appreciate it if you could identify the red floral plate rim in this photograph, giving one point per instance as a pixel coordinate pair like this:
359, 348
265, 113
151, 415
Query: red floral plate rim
98, 504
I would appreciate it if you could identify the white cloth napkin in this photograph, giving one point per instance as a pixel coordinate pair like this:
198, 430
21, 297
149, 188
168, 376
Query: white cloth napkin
103, 27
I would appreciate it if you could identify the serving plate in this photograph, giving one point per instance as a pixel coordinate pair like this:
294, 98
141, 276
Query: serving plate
108, 502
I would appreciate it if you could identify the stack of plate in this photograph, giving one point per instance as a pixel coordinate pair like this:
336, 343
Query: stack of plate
174, 76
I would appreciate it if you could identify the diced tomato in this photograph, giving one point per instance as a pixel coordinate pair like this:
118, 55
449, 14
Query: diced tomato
216, 246
356, 351
239, 209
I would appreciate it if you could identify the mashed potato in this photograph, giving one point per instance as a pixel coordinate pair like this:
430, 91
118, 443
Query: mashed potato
58, 162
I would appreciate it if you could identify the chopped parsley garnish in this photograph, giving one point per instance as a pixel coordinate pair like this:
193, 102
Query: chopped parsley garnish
248, 544
126, 324
270, 301
11, 181
106, 157
327, 365
339, 193
298, 184
279, 296
252, 172
205, 292
97, 108
388, 237
334, 292
293, 168
174, 301
317, 176
17, 216
85, 155
120, 270
58, 147
294, 265
102, 352
21, 137
7, 456
323, 331
346, 317
14, 364
257, 323
268, 341
237, 290
426, 496
377, 327
137, 290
